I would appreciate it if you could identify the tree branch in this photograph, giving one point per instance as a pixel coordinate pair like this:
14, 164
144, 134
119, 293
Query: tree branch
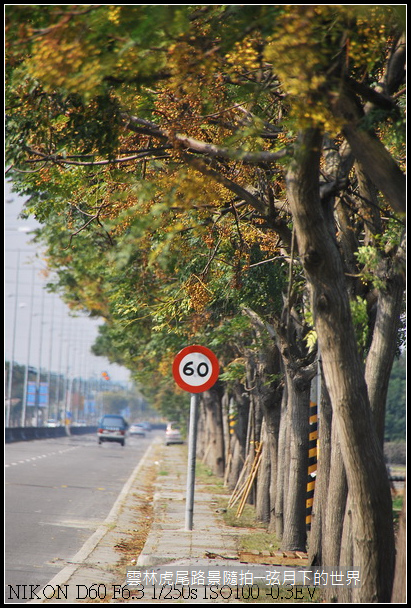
257, 321
377, 162
142, 126
205, 169
60, 160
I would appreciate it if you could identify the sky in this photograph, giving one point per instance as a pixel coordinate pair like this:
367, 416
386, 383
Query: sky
39, 329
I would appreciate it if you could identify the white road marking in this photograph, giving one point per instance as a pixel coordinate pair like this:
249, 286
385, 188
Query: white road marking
12, 464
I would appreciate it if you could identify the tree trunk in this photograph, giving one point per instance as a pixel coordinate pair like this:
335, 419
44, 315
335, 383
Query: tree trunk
399, 592
367, 478
225, 407
239, 410
271, 397
385, 322
294, 536
255, 421
383, 347
335, 513
337, 498
272, 414
282, 467
262, 505
375, 159
213, 450
269, 387
323, 480
345, 594
201, 429
299, 371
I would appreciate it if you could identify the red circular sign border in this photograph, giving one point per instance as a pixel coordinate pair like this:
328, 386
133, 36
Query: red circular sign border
196, 348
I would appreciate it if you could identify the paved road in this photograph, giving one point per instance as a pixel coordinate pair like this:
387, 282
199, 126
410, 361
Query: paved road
57, 493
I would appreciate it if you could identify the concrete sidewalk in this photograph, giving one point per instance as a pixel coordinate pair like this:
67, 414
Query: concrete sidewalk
169, 541
210, 545
99, 570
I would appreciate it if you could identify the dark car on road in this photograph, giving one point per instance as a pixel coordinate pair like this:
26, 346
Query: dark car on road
112, 427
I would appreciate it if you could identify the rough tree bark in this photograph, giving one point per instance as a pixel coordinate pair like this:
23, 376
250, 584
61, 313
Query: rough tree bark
268, 388
262, 505
384, 341
335, 509
294, 534
372, 529
318, 537
300, 369
399, 592
239, 408
282, 467
375, 159
213, 452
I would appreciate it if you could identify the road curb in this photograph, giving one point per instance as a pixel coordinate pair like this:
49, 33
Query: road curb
62, 577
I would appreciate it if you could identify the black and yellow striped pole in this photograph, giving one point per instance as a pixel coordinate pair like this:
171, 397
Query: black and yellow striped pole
232, 421
312, 463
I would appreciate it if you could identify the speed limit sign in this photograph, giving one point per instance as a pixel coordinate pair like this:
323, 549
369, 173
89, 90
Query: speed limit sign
195, 369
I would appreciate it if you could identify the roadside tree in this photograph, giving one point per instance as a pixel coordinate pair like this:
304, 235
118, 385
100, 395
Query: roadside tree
134, 128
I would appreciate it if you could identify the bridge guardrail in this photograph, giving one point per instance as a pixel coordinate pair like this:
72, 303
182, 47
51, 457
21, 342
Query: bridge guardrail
30, 433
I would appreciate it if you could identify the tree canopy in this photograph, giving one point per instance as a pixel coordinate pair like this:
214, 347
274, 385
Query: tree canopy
230, 174
152, 142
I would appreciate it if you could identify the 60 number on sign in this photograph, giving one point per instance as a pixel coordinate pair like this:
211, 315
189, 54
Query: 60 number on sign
195, 369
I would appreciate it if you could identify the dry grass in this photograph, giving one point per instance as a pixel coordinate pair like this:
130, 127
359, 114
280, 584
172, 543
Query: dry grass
132, 543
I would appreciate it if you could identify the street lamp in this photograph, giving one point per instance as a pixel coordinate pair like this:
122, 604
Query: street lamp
11, 363
38, 379
50, 360
26, 371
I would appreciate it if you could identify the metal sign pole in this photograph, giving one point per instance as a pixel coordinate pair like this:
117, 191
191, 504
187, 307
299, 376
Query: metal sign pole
192, 442
195, 369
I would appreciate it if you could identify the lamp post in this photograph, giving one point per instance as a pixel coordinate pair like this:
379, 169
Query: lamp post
69, 379
50, 359
38, 380
26, 371
60, 373
11, 363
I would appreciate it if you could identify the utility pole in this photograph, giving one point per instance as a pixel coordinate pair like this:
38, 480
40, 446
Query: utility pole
11, 362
